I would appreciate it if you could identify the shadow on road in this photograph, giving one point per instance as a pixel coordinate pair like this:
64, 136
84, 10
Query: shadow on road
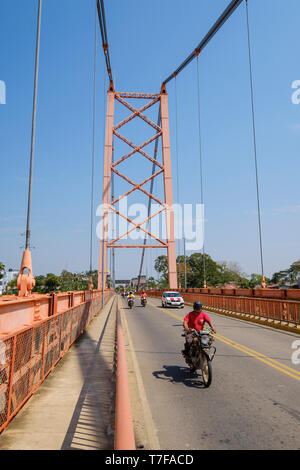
134, 307
88, 426
177, 374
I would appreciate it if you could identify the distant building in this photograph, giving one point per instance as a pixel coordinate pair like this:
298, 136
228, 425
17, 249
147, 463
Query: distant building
134, 281
8, 276
122, 282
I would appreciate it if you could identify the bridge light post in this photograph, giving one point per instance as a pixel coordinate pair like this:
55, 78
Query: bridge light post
26, 281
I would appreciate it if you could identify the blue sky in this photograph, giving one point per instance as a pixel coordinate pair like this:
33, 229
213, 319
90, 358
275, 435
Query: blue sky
148, 40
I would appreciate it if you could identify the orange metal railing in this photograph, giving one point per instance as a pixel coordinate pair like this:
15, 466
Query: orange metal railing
124, 433
16, 312
277, 309
28, 354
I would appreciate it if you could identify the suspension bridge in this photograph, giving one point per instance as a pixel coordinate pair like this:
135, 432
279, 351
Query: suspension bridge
80, 370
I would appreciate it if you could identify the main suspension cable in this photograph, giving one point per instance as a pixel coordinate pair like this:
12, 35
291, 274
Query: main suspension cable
255, 145
102, 23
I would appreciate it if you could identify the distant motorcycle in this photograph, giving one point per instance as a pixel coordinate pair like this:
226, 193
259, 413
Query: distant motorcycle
130, 303
200, 354
143, 302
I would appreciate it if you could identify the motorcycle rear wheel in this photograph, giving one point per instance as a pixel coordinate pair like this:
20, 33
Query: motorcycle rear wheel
207, 370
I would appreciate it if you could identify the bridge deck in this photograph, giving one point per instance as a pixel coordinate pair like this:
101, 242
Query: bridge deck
71, 409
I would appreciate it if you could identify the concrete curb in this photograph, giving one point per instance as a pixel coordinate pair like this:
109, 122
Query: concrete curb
124, 432
153, 442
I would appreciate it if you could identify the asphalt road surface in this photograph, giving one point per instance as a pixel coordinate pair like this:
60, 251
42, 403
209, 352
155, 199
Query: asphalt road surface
253, 401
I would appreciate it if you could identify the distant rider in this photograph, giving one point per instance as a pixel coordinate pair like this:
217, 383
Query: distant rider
130, 296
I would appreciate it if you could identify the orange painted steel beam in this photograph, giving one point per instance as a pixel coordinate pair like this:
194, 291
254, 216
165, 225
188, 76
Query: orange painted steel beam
137, 226
143, 96
138, 148
128, 142
137, 186
124, 432
137, 112
137, 246
172, 268
106, 185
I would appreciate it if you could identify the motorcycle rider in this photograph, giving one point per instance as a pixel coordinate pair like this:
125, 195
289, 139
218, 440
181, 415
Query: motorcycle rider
195, 320
130, 296
143, 297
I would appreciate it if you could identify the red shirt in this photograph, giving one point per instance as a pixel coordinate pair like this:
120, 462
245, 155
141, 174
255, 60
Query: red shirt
196, 320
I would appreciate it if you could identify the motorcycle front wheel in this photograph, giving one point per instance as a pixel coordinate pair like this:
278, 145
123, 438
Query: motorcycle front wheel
206, 370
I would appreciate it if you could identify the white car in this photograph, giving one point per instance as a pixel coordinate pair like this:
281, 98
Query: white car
172, 299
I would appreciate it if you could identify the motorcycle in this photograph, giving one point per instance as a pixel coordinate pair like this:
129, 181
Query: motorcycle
200, 354
143, 302
130, 303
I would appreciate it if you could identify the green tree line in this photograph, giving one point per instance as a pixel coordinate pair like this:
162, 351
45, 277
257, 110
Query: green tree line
217, 274
66, 281
290, 275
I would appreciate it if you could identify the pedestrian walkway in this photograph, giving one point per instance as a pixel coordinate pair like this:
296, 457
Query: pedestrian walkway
71, 409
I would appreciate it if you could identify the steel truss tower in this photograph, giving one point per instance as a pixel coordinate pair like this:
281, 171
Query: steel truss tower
109, 204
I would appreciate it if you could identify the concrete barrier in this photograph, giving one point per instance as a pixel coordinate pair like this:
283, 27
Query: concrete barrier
124, 432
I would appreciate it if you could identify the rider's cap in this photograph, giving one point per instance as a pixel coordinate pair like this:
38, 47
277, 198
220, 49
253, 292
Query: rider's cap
197, 306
